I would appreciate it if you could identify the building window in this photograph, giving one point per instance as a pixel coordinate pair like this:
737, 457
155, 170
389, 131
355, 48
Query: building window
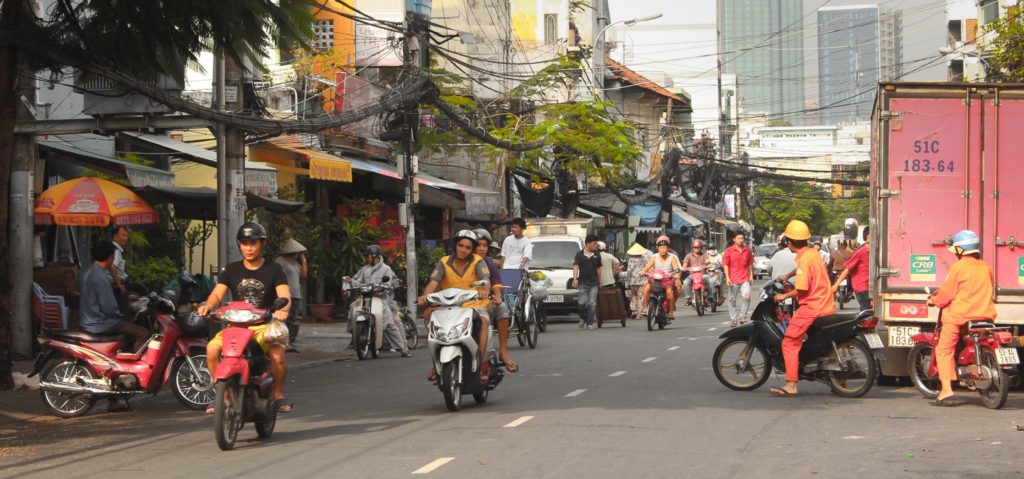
990, 10
550, 28
323, 34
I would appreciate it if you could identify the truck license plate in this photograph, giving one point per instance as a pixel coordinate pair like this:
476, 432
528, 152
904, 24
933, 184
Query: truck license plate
1007, 356
554, 298
874, 341
899, 336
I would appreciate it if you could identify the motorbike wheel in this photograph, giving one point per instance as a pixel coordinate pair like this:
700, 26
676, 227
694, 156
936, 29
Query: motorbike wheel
863, 370
532, 333
451, 390
714, 304
919, 361
362, 340
227, 413
520, 328
748, 378
412, 335
192, 391
839, 299
698, 303
652, 313
994, 396
64, 370
265, 428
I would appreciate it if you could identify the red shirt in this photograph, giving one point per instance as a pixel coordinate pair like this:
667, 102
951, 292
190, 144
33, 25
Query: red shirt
857, 265
738, 260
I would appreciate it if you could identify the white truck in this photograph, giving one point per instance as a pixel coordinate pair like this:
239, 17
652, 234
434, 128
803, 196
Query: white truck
555, 244
945, 157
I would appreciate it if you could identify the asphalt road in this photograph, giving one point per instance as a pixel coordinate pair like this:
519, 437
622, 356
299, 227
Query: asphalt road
614, 402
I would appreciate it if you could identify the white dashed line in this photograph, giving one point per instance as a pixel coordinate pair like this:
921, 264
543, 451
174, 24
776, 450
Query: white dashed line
712, 329
652, 358
726, 323
518, 422
673, 348
684, 337
575, 393
616, 374
433, 465
694, 339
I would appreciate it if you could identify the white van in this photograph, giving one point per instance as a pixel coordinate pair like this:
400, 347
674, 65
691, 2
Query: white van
554, 255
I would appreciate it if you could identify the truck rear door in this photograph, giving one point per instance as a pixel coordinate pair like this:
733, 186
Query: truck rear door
931, 188
1003, 232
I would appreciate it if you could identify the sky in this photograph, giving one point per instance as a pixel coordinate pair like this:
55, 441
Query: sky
681, 44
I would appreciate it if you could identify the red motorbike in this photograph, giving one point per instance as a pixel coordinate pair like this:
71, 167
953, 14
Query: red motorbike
700, 294
78, 368
242, 381
981, 361
657, 302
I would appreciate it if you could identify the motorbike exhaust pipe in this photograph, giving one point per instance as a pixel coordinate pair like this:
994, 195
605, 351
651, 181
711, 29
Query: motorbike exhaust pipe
73, 388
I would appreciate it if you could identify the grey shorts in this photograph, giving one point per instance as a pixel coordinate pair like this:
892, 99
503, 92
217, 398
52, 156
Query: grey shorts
499, 311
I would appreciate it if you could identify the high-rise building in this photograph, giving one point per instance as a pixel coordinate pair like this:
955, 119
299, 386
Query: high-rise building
762, 44
858, 46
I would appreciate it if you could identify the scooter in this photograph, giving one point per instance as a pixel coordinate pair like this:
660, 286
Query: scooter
982, 363
719, 275
243, 382
699, 296
367, 315
657, 303
840, 351
451, 338
78, 368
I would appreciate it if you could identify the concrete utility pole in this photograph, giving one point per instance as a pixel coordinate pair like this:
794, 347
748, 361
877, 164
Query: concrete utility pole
19, 271
230, 160
600, 25
415, 56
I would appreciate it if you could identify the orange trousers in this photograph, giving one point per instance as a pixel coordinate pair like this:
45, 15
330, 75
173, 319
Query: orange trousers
802, 319
945, 350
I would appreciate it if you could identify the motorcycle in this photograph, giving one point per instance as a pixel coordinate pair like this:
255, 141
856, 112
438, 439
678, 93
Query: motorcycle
657, 303
78, 368
243, 382
840, 351
845, 293
699, 295
451, 338
719, 275
367, 314
981, 361
412, 335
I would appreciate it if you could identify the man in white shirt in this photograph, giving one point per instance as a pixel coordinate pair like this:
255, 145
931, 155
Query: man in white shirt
516, 251
610, 266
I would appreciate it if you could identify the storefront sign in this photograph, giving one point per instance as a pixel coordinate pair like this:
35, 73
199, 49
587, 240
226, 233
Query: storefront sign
922, 268
483, 203
330, 170
261, 182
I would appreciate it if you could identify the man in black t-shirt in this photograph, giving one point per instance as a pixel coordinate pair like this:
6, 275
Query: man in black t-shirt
585, 277
258, 282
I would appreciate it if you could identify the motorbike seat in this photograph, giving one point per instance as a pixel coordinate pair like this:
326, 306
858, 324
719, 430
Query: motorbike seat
831, 321
979, 324
84, 336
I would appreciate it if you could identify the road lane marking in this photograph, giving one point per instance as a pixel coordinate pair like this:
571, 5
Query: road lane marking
518, 422
712, 329
616, 374
673, 348
575, 393
652, 358
433, 465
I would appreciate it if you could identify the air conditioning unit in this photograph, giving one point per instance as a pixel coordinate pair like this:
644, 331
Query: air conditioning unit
103, 97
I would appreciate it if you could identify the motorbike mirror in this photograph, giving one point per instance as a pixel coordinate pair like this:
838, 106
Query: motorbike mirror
386, 279
279, 303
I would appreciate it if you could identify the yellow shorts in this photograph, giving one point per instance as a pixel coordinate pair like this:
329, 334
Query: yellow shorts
258, 331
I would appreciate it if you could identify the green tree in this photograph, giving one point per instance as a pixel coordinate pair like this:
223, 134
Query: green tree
1006, 62
776, 204
143, 38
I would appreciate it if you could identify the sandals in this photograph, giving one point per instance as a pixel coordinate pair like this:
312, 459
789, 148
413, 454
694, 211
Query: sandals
510, 366
432, 376
782, 393
283, 406
948, 402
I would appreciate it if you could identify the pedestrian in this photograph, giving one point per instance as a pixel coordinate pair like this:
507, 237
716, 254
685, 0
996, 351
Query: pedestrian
293, 262
119, 271
610, 266
738, 263
857, 271
966, 295
516, 251
638, 258
585, 277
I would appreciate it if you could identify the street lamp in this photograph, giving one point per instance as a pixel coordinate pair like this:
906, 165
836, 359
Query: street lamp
599, 50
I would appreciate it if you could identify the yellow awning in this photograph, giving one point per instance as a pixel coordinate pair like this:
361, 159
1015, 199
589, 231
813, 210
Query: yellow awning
288, 151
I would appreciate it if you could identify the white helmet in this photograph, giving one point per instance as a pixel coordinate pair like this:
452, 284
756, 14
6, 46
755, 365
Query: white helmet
467, 234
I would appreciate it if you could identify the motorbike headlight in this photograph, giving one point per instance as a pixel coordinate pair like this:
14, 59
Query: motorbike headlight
239, 316
459, 330
366, 289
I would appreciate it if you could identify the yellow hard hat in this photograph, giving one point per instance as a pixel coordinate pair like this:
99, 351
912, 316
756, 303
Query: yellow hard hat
797, 230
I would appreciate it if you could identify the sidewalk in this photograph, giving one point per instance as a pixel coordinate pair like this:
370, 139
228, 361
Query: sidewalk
318, 343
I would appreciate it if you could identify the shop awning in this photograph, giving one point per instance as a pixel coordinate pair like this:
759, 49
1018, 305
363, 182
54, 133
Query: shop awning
391, 171
200, 203
137, 175
289, 151
687, 218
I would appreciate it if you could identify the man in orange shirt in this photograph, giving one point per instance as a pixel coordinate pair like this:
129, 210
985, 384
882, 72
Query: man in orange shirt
965, 295
814, 293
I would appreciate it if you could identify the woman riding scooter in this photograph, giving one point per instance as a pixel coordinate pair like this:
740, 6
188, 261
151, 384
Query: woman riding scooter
668, 264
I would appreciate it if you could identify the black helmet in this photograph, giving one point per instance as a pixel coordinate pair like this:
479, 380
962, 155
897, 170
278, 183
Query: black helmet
372, 250
251, 231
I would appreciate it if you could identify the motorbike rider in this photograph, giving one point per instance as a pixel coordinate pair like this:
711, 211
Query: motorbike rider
374, 272
856, 269
966, 295
698, 257
498, 309
668, 264
258, 282
814, 293
461, 270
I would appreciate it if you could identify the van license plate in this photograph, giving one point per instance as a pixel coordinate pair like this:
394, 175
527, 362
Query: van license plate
899, 336
874, 341
554, 298
1007, 356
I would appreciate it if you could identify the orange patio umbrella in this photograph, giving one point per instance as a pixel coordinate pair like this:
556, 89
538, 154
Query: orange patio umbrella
92, 202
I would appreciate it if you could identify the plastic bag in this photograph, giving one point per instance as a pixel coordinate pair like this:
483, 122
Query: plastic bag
276, 333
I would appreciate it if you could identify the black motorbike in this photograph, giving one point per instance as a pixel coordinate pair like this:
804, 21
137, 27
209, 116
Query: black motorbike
840, 351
